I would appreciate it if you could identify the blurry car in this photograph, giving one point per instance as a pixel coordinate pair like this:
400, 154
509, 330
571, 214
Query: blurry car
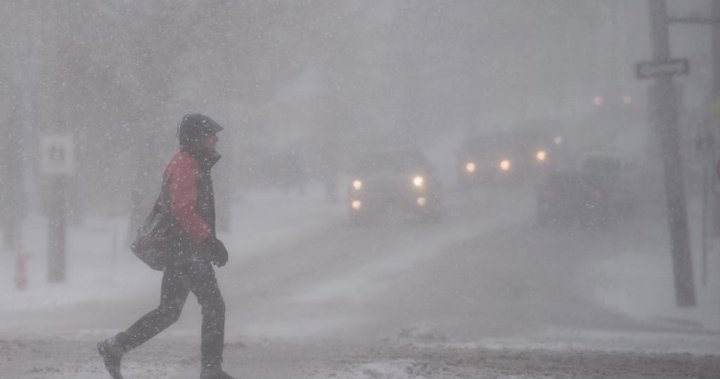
486, 160
596, 193
539, 147
396, 181
566, 197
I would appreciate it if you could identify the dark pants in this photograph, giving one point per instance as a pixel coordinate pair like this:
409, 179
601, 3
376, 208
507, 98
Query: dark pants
178, 280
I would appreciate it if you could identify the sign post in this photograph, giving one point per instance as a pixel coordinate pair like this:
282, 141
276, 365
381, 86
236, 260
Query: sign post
57, 160
663, 102
651, 70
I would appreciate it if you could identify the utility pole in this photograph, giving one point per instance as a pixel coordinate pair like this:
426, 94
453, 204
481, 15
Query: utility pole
56, 145
663, 103
712, 132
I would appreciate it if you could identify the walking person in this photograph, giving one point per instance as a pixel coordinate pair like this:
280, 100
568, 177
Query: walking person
187, 194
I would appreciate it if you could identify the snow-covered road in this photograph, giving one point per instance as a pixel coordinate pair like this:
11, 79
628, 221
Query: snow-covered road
484, 293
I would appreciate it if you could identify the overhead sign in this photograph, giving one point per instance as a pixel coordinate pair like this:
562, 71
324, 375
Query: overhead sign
57, 154
647, 70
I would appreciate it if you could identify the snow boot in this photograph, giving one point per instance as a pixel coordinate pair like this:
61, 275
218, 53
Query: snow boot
214, 373
111, 355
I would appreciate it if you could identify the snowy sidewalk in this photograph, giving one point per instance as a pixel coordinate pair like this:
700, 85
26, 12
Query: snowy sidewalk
641, 283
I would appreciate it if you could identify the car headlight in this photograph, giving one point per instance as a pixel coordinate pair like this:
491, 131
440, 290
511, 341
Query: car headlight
418, 181
356, 205
598, 101
357, 184
505, 165
470, 167
541, 155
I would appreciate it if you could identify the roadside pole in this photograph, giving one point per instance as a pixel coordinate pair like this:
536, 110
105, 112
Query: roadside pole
707, 177
56, 230
11, 202
711, 191
711, 131
711, 134
663, 103
56, 155
714, 201
57, 161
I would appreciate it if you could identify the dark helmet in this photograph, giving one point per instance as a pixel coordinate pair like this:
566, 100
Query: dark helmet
193, 127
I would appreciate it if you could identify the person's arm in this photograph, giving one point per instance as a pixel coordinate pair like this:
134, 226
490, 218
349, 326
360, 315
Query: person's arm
183, 179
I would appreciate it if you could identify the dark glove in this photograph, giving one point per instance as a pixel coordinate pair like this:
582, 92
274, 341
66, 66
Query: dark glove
215, 249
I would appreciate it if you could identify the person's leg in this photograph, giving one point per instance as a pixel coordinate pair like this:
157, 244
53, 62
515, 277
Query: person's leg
203, 283
173, 294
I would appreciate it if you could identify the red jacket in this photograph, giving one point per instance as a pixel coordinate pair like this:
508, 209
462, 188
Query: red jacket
190, 192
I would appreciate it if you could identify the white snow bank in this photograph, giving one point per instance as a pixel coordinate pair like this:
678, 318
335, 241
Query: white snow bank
99, 266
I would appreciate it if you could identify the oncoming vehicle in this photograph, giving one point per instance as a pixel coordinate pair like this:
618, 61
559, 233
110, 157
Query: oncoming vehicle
393, 182
596, 193
539, 147
486, 159
566, 197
